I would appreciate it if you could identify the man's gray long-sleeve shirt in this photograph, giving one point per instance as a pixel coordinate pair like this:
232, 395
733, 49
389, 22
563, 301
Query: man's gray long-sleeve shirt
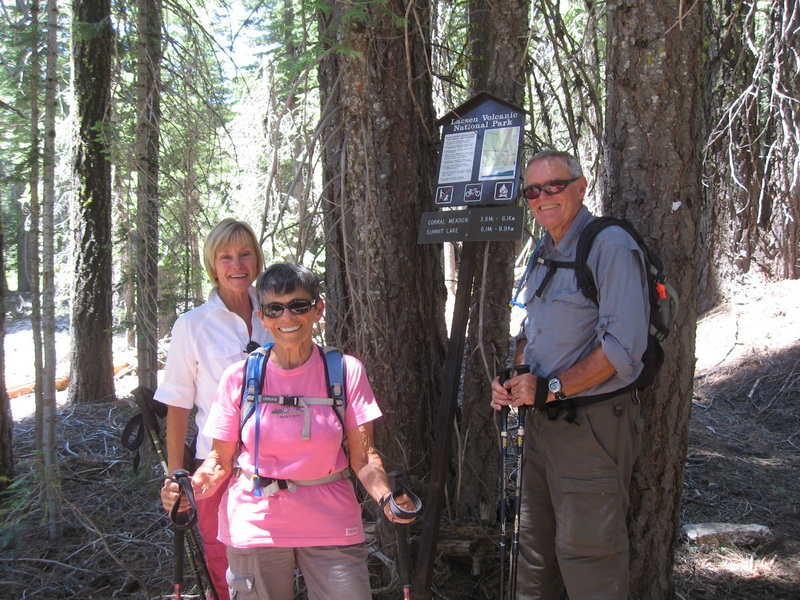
563, 326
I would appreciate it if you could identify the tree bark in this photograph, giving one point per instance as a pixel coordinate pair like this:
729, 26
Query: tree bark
752, 165
91, 366
385, 292
6, 420
781, 210
653, 162
732, 172
497, 47
49, 411
147, 147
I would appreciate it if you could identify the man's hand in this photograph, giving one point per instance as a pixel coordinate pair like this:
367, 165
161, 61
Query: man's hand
516, 391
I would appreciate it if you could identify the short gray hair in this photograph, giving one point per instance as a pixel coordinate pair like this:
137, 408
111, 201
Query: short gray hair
572, 163
284, 278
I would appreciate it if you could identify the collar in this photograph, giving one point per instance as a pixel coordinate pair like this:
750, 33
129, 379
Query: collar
569, 242
215, 301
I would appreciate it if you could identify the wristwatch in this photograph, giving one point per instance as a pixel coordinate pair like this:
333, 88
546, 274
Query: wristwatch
554, 385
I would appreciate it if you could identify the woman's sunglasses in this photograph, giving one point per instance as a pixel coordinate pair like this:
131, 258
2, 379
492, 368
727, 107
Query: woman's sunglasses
273, 310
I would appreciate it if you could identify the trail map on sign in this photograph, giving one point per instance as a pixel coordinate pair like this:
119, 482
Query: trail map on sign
499, 156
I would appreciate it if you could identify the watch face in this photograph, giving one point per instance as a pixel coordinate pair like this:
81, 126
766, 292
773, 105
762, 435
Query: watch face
554, 385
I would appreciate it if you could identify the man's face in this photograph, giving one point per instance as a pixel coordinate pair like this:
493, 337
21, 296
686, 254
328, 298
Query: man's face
555, 212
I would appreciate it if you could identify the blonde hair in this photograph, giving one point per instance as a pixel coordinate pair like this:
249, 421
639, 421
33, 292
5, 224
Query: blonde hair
225, 233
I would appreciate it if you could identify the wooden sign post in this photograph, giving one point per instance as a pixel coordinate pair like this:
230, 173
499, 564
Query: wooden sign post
478, 168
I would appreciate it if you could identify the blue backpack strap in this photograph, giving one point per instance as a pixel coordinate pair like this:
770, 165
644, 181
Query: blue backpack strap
253, 382
334, 376
528, 270
255, 369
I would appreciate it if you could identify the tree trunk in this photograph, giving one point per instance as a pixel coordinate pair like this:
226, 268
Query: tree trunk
732, 171
653, 162
91, 366
752, 156
6, 420
48, 380
385, 292
497, 47
781, 210
23, 241
46, 416
147, 146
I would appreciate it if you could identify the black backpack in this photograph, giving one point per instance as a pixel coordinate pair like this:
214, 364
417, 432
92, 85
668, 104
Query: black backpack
659, 293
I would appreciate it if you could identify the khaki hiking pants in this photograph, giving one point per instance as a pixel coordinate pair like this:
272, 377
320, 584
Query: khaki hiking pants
575, 502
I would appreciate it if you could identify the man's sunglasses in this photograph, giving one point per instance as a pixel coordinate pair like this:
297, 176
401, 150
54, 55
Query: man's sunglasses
273, 310
551, 189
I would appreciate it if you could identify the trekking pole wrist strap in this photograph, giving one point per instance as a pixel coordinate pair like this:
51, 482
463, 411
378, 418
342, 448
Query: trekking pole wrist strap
183, 520
400, 488
540, 399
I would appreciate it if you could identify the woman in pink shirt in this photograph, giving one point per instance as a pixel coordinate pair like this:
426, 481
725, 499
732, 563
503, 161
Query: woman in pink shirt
315, 522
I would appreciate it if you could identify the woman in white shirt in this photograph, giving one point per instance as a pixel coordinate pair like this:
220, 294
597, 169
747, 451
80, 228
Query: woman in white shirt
205, 341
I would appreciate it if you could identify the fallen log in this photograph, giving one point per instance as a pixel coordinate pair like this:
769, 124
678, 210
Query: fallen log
61, 384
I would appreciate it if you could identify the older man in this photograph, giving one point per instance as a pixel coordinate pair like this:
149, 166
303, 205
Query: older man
578, 463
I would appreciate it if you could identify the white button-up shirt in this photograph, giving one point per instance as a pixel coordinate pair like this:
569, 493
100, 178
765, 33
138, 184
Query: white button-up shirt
205, 341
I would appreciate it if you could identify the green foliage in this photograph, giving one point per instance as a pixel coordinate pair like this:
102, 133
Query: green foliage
240, 108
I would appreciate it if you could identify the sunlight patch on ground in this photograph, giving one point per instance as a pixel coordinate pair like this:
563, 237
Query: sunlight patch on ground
741, 564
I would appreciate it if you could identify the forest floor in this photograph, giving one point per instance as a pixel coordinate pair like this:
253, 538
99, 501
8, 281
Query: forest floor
743, 466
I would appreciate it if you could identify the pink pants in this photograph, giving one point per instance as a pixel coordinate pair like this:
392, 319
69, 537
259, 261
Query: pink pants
215, 551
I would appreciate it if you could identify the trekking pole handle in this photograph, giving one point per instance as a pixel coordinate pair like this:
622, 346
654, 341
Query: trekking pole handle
401, 486
183, 520
522, 370
504, 375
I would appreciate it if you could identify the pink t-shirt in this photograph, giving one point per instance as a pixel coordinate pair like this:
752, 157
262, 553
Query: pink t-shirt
316, 515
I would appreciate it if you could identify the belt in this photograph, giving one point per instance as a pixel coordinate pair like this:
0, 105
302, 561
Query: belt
570, 405
271, 485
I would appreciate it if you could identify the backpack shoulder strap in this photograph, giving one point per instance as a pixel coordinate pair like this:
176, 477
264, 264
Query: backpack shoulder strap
253, 382
585, 279
255, 369
334, 377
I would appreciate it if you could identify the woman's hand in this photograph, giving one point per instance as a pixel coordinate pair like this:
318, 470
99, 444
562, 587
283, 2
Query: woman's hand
170, 493
368, 467
403, 502
206, 479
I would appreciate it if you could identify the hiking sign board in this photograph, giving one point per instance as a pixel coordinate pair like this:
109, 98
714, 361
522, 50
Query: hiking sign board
479, 225
479, 169
479, 155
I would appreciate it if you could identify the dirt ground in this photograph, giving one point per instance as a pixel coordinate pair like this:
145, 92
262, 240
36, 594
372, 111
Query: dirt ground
743, 464
742, 467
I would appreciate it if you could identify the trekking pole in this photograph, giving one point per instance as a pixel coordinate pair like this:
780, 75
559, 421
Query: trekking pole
182, 521
399, 487
149, 411
503, 375
521, 411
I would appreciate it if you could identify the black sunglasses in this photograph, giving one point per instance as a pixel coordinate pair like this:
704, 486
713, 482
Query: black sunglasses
273, 310
551, 189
